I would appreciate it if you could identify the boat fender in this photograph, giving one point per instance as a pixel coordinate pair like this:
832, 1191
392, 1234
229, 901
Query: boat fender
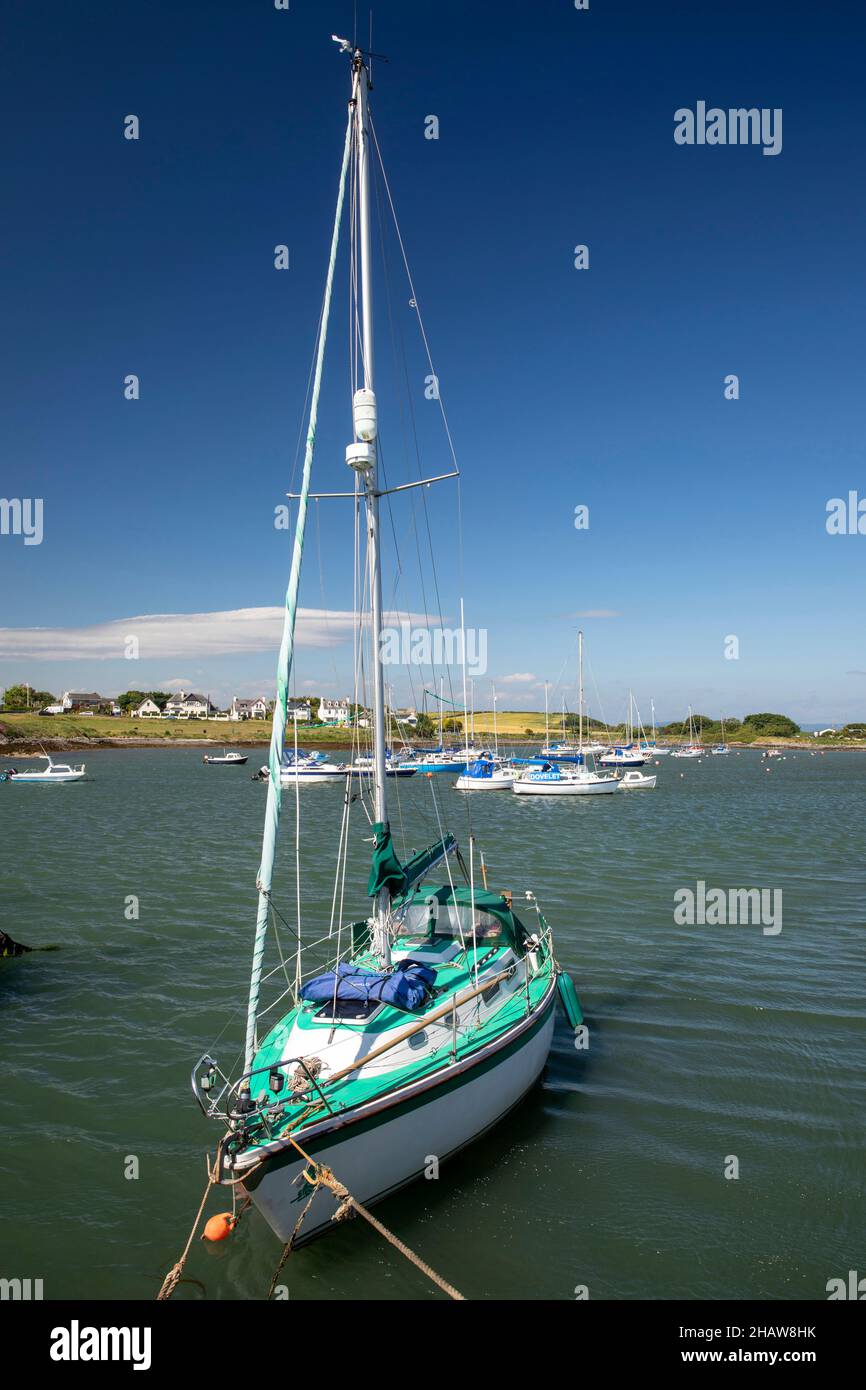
568, 999
219, 1227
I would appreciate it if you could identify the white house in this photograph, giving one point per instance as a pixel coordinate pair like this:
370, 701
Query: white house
249, 709
188, 705
148, 709
300, 711
334, 711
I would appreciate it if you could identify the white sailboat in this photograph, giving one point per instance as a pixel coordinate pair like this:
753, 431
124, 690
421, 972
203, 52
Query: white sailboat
625, 755
486, 773
571, 775
652, 748
720, 749
693, 748
437, 1013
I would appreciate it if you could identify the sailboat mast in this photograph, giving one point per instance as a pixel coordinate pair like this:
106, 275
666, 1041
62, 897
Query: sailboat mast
580, 690
363, 156
463, 664
371, 496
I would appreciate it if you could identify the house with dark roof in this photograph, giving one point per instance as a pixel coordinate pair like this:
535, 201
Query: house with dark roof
188, 705
85, 700
249, 709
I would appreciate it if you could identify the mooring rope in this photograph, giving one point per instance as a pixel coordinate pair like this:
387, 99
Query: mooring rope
173, 1278
320, 1174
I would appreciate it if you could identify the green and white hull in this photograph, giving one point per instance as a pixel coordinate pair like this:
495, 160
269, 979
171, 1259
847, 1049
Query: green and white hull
379, 1093
390, 1142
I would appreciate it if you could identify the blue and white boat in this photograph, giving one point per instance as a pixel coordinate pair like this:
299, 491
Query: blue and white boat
486, 775
552, 779
54, 772
623, 756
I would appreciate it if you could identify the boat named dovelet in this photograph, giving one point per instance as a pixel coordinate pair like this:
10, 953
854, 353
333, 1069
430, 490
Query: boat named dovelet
425, 1019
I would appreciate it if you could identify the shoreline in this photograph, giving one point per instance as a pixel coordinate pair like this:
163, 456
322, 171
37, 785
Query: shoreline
29, 747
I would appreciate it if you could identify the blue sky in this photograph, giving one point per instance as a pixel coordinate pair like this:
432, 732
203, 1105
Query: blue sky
602, 387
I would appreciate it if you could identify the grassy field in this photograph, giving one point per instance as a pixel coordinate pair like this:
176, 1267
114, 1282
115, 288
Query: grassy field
512, 726
34, 727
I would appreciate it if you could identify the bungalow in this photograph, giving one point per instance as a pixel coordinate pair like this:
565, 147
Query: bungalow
188, 705
78, 700
335, 711
148, 709
300, 711
249, 709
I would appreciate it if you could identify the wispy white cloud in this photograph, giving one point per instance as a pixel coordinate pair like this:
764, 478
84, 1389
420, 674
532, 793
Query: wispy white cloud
518, 678
190, 635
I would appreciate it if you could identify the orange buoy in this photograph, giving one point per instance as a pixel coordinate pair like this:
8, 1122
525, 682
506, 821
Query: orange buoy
428, 774
219, 1227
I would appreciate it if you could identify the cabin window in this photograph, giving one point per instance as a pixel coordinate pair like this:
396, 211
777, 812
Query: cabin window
427, 919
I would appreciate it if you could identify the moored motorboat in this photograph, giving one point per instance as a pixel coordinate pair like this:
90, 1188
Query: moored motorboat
226, 759
633, 781
54, 772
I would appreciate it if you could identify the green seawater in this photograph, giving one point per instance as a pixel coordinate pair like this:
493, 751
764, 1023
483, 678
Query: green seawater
706, 1042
